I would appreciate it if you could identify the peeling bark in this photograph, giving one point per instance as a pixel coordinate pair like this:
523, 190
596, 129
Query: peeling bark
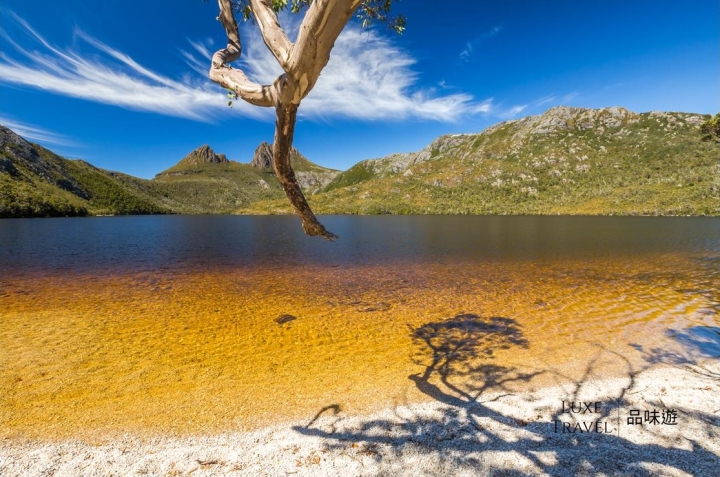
271, 31
231, 78
302, 62
284, 130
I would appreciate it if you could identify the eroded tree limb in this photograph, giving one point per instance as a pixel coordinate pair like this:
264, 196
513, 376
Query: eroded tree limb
271, 31
284, 131
321, 26
236, 81
227, 18
231, 78
302, 64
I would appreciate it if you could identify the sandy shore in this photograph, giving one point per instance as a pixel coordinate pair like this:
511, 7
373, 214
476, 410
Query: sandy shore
500, 434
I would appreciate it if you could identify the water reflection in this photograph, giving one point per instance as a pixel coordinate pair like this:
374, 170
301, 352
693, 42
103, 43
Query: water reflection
195, 242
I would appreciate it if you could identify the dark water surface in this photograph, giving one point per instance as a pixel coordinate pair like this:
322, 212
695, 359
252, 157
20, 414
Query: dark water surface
205, 324
142, 243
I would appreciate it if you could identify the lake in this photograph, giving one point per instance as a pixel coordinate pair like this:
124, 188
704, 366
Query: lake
204, 324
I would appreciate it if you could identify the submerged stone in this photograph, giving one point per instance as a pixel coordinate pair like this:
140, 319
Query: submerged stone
285, 318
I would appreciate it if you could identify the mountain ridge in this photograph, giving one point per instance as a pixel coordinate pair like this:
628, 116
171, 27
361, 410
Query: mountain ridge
566, 160
37, 183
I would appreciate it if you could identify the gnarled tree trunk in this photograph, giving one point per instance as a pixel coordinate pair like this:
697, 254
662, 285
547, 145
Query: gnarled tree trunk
284, 129
302, 62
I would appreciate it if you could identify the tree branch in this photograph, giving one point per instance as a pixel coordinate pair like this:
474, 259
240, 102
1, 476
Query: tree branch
284, 131
231, 78
234, 48
323, 22
271, 31
236, 81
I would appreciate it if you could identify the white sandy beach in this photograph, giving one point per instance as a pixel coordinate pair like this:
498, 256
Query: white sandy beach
501, 434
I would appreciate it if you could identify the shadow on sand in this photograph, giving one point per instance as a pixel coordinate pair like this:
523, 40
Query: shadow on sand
478, 425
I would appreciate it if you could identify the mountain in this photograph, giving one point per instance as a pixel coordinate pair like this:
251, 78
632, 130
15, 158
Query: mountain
565, 161
38, 183
202, 155
311, 177
35, 182
205, 182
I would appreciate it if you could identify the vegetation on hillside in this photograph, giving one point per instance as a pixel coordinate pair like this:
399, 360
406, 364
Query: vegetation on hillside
567, 161
25, 199
38, 183
215, 188
107, 196
358, 173
612, 162
711, 129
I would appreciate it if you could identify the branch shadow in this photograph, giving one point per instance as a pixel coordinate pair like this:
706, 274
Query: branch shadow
465, 431
460, 347
699, 345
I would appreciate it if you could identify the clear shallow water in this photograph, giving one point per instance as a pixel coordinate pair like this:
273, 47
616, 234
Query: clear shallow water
167, 324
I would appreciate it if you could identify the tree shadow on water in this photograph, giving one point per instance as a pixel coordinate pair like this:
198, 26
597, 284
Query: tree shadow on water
699, 346
459, 372
471, 428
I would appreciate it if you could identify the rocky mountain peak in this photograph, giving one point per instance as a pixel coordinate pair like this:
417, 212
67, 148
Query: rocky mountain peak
562, 118
262, 159
203, 155
310, 177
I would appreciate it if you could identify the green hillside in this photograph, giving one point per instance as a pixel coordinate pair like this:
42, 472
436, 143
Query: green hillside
207, 183
35, 182
219, 188
566, 161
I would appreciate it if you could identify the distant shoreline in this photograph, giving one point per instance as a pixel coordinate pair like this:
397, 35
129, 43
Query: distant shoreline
361, 215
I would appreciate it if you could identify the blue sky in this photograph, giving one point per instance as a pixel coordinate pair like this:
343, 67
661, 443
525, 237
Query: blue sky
123, 84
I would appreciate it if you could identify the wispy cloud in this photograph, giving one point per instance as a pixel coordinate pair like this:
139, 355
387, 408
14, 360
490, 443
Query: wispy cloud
570, 96
200, 65
511, 112
473, 44
367, 78
555, 100
545, 100
34, 133
108, 76
540, 104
